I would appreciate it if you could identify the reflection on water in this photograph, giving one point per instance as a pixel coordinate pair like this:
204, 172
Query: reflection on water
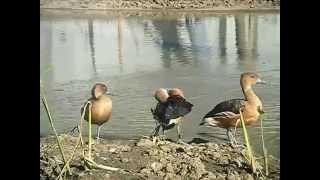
204, 55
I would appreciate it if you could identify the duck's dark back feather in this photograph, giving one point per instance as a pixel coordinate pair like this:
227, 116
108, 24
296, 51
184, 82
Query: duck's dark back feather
173, 108
232, 105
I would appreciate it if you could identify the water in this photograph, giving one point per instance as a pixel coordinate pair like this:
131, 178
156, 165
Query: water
204, 55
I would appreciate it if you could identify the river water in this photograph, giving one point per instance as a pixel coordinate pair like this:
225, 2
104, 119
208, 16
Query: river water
134, 55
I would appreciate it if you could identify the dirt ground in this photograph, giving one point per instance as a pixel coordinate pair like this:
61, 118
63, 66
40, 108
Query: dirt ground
143, 159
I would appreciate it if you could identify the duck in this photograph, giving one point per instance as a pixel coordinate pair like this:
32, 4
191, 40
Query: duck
101, 107
170, 109
226, 114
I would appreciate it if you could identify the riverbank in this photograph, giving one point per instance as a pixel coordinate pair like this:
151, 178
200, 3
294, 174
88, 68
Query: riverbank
142, 159
186, 5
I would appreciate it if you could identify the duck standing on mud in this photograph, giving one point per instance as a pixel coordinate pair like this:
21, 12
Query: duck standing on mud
227, 113
101, 106
171, 108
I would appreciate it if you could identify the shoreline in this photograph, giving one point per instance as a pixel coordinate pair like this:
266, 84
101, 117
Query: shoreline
143, 159
180, 6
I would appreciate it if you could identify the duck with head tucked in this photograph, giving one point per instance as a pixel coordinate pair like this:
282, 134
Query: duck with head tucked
171, 108
227, 113
101, 106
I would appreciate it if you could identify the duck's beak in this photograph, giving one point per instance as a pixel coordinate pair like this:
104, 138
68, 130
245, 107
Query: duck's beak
259, 81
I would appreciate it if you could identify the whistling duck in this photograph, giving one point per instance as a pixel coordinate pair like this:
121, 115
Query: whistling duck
227, 113
101, 106
170, 109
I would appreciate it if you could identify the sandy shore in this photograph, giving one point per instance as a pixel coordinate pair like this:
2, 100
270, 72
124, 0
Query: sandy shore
186, 5
142, 159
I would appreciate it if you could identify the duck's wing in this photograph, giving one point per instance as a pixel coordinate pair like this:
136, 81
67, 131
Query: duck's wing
173, 108
177, 107
226, 108
159, 112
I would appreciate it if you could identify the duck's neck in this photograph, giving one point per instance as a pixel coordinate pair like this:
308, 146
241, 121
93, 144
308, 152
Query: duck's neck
250, 96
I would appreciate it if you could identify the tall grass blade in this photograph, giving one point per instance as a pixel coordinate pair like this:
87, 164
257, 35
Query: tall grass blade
265, 152
249, 150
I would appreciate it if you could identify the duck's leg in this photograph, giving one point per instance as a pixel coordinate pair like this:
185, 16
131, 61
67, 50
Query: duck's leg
98, 136
231, 138
180, 141
162, 136
156, 131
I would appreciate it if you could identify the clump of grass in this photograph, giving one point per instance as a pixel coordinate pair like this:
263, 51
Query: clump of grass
44, 102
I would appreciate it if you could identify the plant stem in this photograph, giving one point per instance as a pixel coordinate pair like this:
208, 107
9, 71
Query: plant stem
89, 153
265, 154
249, 151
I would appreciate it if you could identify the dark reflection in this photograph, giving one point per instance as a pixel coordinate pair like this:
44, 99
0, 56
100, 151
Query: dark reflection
223, 38
133, 33
222, 35
200, 48
119, 29
170, 42
190, 22
92, 48
246, 40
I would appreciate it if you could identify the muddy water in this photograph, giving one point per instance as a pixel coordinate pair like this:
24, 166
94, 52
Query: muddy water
204, 55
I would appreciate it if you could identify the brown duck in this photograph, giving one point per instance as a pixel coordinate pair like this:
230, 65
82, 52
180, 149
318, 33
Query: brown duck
101, 106
227, 113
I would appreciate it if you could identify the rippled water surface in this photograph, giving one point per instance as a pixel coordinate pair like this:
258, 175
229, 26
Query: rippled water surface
134, 55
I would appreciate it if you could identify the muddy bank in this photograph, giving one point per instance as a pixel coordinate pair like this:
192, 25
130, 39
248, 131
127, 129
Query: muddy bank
161, 4
141, 159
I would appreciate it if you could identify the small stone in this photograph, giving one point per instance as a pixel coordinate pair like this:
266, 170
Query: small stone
145, 143
156, 166
169, 168
211, 175
126, 148
112, 150
220, 177
165, 148
107, 175
216, 154
248, 177
124, 160
145, 171
231, 177
170, 176
103, 158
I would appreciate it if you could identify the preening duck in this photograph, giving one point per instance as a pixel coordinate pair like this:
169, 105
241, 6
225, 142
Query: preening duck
227, 113
101, 106
170, 109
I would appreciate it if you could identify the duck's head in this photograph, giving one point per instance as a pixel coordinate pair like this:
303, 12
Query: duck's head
176, 92
161, 95
98, 90
249, 78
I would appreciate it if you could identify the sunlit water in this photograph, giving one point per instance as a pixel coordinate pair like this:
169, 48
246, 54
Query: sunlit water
203, 55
